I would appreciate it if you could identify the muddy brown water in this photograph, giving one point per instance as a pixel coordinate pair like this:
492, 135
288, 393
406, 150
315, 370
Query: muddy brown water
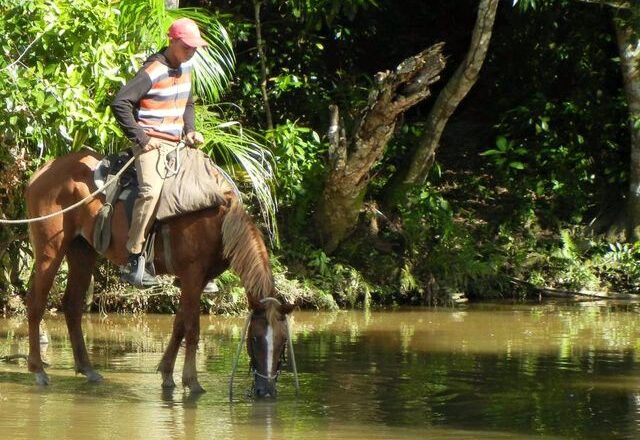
478, 372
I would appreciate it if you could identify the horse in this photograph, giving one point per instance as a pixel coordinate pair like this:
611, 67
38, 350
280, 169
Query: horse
203, 244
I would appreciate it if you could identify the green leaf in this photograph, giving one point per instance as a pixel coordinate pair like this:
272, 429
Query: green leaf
39, 98
502, 143
491, 153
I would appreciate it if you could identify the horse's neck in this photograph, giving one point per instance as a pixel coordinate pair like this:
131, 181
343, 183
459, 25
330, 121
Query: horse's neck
246, 252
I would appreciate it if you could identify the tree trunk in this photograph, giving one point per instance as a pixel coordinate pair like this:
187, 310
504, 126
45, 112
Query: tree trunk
350, 160
172, 4
629, 47
257, 4
454, 92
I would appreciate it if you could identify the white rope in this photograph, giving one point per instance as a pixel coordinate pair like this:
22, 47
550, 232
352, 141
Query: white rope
75, 205
168, 170
292, 356
238, 351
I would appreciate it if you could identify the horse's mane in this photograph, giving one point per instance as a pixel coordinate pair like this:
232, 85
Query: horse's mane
272, 311
244, 248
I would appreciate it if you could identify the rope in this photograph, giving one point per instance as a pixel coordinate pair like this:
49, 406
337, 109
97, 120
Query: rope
171, 172
75, 205
29, 47
238, 351
168, 170
292, 356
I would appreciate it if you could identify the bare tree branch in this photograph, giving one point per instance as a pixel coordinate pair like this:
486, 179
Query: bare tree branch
619, 4
454, 92
351, 160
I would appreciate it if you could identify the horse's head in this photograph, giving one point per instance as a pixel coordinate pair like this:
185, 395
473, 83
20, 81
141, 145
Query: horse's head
266, 342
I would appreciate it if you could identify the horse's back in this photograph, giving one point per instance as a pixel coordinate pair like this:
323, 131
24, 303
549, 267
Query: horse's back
59, 184
59, 178
58, 170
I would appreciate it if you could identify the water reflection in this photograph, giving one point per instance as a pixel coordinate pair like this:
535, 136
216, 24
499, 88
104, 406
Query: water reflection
486, 371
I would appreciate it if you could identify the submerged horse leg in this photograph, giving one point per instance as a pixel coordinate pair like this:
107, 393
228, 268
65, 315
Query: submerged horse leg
48, 252
192, 336
190, 307
81, 259
186, 325
168, 361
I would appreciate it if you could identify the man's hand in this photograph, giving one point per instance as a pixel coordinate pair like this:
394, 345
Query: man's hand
194, 138
151, 145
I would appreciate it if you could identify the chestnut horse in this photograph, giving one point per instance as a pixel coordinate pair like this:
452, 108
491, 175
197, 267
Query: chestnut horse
202, 245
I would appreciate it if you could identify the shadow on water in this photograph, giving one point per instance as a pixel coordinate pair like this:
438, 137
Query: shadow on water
171, 397
67, 384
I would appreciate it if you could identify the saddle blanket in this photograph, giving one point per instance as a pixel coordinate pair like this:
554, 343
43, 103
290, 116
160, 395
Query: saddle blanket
193, 182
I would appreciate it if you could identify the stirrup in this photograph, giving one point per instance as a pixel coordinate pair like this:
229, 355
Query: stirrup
139, 278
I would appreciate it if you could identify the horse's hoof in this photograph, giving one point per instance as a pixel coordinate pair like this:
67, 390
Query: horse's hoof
167, 379
197, 389
194, 386
168, 384
42, 379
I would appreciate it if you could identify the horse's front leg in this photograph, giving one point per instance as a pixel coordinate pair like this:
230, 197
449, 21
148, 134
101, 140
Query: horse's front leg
168, 361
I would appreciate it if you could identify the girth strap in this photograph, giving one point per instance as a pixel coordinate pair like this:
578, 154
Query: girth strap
166, 246
102, 227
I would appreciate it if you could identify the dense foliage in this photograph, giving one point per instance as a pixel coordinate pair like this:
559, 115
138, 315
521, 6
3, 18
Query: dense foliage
530, 175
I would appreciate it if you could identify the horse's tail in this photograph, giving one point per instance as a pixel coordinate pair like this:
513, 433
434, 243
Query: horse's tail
244, 248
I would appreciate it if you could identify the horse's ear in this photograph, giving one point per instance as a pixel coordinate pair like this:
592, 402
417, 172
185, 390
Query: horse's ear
256, 305
286, 308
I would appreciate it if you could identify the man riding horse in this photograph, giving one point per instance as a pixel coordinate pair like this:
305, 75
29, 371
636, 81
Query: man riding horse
155, 110
64, 204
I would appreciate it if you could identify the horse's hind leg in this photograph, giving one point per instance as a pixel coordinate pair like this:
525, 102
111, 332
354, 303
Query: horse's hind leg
185, 326
192, 286
81, 260
48, 252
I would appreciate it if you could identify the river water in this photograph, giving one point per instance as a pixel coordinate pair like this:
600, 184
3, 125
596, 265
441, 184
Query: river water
477, 372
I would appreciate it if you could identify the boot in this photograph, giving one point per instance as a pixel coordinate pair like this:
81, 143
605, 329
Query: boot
136, 274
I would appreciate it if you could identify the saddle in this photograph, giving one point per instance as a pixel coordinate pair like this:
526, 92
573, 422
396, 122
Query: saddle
125, 189
195, 183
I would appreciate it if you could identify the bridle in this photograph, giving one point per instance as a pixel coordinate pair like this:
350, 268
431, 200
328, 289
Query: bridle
254, 371
280, 362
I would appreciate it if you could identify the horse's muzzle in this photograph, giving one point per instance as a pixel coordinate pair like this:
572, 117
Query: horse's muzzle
264, 388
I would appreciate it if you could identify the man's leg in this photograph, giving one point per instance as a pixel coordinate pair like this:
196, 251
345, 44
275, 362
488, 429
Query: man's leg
150, 182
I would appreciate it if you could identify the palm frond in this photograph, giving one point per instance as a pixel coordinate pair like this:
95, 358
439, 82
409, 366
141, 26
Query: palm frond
242, 154
144, 24
214, 64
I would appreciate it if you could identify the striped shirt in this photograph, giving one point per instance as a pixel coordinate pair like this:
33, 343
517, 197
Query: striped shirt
157, 102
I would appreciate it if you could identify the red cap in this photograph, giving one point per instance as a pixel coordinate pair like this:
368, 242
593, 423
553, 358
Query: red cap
186, 30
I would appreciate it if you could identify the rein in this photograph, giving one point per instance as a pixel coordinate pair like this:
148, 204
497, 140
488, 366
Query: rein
75, 205
292, 356
114, 179
264, 376
238, 351
273, 377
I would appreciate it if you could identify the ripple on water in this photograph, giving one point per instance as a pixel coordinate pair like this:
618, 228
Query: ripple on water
446, 374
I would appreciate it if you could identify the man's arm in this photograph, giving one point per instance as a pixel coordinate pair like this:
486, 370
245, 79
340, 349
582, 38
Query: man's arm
191, 136
189, 116
125, 103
